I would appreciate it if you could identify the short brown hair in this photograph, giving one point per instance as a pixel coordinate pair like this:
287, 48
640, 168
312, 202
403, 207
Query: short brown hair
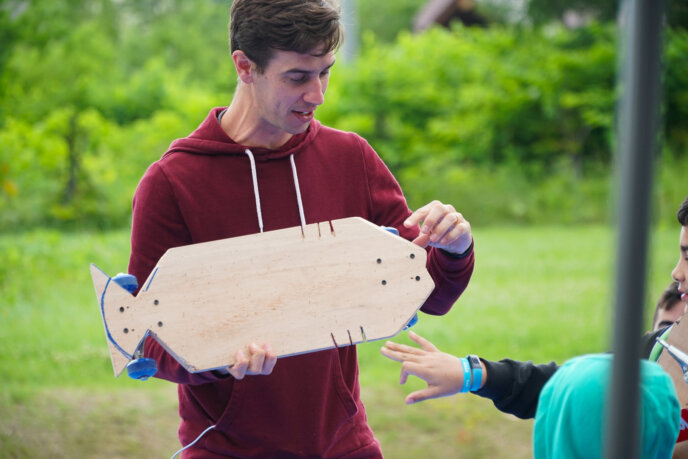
682, 213
258, 27
669, 298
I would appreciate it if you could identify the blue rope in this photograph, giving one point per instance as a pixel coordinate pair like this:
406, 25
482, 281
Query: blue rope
151, 279
107, 329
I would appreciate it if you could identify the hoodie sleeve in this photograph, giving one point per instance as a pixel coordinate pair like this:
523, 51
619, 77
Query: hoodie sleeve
514, 387
389, 208
157, 225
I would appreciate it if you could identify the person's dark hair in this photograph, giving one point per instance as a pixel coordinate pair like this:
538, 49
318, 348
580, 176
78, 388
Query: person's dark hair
669, 298
258, 27
682, 214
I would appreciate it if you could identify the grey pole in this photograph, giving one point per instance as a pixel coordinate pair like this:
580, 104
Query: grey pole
637, 139
351, 38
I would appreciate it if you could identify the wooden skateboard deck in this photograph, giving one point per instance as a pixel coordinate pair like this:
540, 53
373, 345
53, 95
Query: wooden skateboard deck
322, 286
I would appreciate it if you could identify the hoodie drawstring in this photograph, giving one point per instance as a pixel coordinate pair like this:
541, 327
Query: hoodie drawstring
298, 191
255, 188
257, 195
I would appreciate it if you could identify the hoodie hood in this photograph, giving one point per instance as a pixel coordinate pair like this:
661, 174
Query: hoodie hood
569, 423
210, 139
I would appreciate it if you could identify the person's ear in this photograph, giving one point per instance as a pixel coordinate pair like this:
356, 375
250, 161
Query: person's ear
244, 66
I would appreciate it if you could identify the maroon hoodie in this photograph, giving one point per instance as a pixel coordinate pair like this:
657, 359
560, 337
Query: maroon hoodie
202, 189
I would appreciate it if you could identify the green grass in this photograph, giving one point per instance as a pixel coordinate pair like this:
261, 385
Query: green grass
540, 293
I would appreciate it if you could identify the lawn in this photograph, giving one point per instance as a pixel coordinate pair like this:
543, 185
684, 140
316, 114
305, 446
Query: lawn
539, 293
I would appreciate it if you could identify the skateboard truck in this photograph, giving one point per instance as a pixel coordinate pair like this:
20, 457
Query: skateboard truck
140, 367
678, 355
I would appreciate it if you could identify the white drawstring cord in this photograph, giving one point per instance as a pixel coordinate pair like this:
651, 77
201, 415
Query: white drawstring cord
255, 188
193, 442
254, 175
298, 190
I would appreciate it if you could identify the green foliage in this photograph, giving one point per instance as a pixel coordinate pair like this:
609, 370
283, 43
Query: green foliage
385, 19
96, 95
484, 96
544, 11
507, 123
511, 123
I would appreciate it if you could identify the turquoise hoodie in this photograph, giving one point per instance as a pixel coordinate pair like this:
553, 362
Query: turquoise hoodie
570, 413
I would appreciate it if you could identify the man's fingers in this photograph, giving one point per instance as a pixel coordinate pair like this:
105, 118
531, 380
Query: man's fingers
238, 370
432, 224
255, 365
270, 360
444, 228
422, 240
418, 216
440, 223
261, 361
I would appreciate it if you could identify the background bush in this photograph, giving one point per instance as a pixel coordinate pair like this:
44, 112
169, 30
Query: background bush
512, 123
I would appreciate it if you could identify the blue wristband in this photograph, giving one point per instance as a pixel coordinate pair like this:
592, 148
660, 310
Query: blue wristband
466, 376
476, 371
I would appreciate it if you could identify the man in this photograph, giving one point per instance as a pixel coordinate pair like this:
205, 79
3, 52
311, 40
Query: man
513, 386
266, 163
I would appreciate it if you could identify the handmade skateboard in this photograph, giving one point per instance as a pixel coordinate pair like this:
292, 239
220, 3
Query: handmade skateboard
300, 289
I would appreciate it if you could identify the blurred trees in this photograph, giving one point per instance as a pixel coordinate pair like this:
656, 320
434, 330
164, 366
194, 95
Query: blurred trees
474, 115
543, 11
518, 120
94, 91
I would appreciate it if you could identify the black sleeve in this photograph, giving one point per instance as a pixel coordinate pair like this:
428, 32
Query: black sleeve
514, 387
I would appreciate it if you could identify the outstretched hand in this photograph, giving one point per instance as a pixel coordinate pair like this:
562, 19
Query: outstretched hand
442, 227
441, 371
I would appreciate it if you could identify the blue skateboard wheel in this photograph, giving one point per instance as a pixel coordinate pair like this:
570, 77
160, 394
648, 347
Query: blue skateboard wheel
127, 281
142, 368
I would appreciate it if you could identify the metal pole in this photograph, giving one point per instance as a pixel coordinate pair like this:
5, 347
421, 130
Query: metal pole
637, 140
351, 38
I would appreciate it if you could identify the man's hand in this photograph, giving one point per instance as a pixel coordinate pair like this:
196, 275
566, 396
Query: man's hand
443, 372
442, 227
260, 361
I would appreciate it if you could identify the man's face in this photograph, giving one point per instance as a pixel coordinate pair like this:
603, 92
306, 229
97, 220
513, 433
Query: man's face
289, 90
680, 272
